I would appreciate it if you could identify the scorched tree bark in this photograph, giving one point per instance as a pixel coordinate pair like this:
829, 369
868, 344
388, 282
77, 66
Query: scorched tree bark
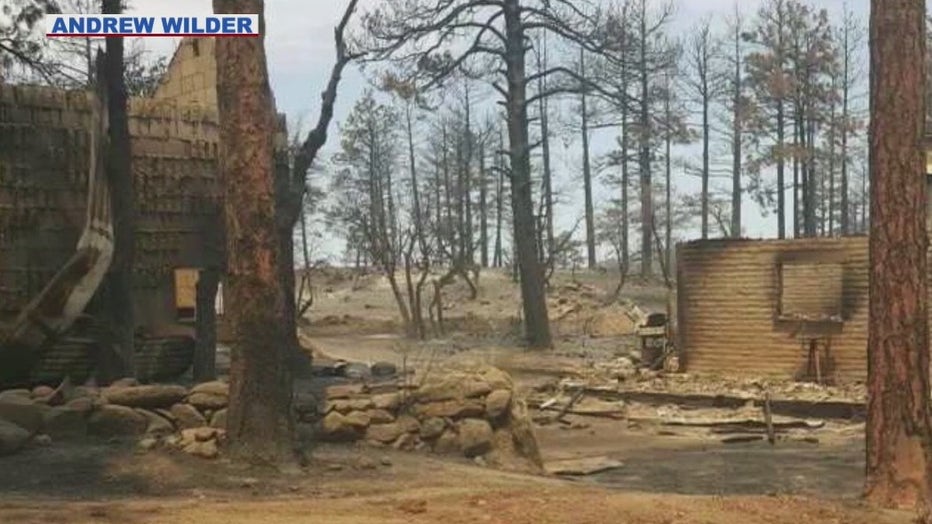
259, 425
899, 433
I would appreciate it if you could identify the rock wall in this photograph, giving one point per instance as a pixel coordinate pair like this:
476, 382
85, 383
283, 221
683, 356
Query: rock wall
470, 413
467, 412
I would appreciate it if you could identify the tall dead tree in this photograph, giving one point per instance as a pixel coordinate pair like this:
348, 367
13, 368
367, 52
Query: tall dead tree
120, 176
547, 247
586, 167
259, 421
733, 79
701, 54
850, 39
423, 37
899, 430
291, 186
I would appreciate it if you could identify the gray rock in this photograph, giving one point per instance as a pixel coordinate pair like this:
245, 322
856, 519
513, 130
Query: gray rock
384, 369
206, 449
147, 397
446, 443
384, 433
125, 383
219, 420
187, 416
156, 425
338, 428
387, 401
64, 422
380, 416
116, 421
83, 405
210, 395
23, 412
12, 438
147, 444
455, 409
432, 428
409, 424
215, 387
498, 403
354, 370
475, 437
15, 393
343, 391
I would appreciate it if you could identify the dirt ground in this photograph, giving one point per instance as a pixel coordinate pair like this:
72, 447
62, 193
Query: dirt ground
110, 484
671, 463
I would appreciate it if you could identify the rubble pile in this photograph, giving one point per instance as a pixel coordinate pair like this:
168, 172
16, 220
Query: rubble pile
468, 412
580, 309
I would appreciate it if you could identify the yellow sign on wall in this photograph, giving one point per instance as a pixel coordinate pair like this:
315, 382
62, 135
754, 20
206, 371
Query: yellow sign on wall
186, 288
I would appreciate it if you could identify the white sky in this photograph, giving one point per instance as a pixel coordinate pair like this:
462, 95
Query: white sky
299, 43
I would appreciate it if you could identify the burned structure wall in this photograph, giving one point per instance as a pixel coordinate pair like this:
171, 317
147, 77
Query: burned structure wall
767, 307
44, 163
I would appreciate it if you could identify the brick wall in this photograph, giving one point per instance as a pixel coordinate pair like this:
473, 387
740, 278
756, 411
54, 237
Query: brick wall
44, 144
729, 305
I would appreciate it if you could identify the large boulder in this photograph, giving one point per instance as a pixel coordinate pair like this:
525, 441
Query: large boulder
62, 423
146, 397
210, 395
187, 416
156, 425
339, 428
23, 412
475, 437
116, 421
462, 383
432, 428
498, 403
219, 419
387, 401
12, 438
384, 433
455, 409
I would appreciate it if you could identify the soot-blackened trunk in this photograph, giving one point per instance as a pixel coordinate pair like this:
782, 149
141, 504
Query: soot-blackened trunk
122, 195
536, 321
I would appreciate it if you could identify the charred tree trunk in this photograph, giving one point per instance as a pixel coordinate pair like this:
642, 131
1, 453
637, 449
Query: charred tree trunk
499, 203
781, 167
122, 196
536, 321
548, 248
645, 124
587, 170
205, 326
737, 129
259, 423
899, 432
483, 209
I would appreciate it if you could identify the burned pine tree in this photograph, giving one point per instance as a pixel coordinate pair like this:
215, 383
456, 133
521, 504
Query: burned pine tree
259, 421
423, 39
291, 185
899, 430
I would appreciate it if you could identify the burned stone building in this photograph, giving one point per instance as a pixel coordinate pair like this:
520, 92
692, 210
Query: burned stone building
793, 308
44, 159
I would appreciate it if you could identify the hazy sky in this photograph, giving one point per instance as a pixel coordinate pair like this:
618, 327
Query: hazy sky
299, 44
